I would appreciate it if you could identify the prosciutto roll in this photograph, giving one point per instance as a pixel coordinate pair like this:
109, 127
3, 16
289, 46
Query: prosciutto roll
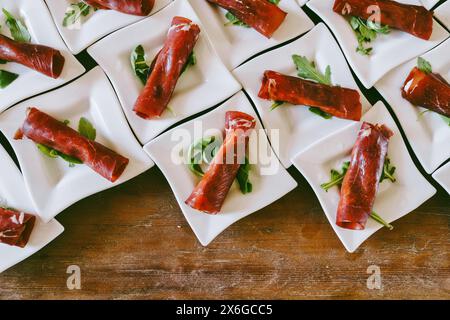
44, 129
428, 90
134, 7
262, 15
361, 181
43, 59
337, 101
167, 68
412, 19
15, 227
210, 193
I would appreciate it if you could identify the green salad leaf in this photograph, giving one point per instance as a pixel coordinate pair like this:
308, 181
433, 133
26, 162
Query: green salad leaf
424, 65
6, 78
366, 32
75, 12
307, 70
86, 129
140, 67
18, 30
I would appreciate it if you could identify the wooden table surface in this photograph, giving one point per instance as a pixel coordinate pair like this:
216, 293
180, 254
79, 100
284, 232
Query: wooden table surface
132, 242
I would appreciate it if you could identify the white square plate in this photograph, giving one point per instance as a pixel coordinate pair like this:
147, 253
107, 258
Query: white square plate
298, 127
95, 26
266, 188
443, 13
389, 50
428, 133
202, 86
429, 4
393, 201
52, 184
13, 193
442, 176
236, 44
302, 2
39, 23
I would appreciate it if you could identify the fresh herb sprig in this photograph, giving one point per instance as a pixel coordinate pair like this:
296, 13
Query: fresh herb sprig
6, 78
18, 30
234, 21
366, 32
75, 12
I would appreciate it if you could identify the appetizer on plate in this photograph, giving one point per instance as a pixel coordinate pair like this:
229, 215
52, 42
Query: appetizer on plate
56, 138
262, 15
15, 227
210, 193
169, 64
426, 89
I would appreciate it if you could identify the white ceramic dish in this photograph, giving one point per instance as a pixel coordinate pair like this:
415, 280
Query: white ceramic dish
52, 184
442, 176
393, 201
429, 4
389, 51
13, 193
202, 86
302, 2
39, 23
427, 132
94, 27
236, 44
442, 13
266, 188
298, 127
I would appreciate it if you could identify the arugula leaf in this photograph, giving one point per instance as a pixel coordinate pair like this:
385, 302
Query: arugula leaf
243, 177
234, 21
320, 113
18, 30
192, 61
380, 220
336, 177
424, 65
140, 67
366, 31
388, 171
6, 78
195, 153
308, 70
86, 129
74, 13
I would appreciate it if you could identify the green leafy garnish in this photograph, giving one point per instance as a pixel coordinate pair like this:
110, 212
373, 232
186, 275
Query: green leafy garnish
196, 153
446, 119
275, 2
320, 113
388, 171
424, 65
192, 61
234, 21
75, 12
6, 78
243, 177
275, 105
140, 67
336, 177
307, 70
18, 30
380, 220
86, 129
366, 32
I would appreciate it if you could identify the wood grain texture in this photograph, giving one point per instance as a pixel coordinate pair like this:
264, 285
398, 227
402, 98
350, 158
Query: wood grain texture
132, 242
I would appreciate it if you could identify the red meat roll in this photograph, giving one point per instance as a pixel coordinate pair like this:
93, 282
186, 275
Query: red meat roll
46, 130
43, 59
361, 181
167, 68
412, 19
134, 7
337, 101
428, 90
15, 227
262, 15
210, 193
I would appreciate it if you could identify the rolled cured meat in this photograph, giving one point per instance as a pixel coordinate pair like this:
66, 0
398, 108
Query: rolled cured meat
134, 7
338, 101
15, 227
262, 15
210, 193
43, 59
428, 90
167, 68
46, 130
412, 19
362, 179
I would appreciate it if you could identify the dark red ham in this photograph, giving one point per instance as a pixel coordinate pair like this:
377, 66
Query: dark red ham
262, 15
134, 7
43, 59
428, 90
210, 193
167, 68
412, 19
15, 227
43, 129
361, 181
337, 101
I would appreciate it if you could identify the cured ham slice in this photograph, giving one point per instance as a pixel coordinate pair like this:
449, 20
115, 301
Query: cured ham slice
337, 101
15, 227
44, 129
43, 59
167, 68
412, 19
428, 90
210, 193
262, 15
134, 7
362, 179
